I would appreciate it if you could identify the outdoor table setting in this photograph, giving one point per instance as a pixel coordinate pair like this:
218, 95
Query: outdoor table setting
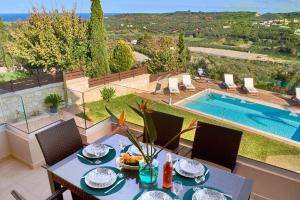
107, 180
119, 167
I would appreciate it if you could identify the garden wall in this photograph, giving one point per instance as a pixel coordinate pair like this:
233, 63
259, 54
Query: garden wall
80, 86
11, 109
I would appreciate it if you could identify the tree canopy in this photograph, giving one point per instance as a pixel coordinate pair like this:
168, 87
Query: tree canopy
55, 40
122, 58
97, 42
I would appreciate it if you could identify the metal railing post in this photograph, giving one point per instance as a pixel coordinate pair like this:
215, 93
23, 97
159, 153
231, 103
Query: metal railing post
84, 114
25, 114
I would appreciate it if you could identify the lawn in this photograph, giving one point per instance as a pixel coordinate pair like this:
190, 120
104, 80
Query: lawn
253, 145
10, 76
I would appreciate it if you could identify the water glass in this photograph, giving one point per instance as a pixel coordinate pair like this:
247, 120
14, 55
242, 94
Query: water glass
122, 144
177, 188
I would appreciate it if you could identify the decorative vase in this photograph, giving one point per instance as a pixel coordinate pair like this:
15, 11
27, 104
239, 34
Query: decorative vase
148, 173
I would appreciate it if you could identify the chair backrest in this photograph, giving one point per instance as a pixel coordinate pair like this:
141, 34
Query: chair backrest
216, 144
173, 83
248, 83
167, 126
228, 78
60, 141
297, 93
186, 79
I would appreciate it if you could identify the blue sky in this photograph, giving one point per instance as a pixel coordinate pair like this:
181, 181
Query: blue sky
133, 6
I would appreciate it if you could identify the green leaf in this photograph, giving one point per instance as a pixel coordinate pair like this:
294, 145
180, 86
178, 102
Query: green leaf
114, 119
137, 111
150, 127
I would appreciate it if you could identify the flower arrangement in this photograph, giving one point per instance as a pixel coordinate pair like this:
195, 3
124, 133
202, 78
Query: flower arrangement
150, 133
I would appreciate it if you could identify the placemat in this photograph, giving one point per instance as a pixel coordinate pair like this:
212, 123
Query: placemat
100, 192
110, 155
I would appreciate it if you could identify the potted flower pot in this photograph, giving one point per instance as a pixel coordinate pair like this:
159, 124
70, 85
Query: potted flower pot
53, 101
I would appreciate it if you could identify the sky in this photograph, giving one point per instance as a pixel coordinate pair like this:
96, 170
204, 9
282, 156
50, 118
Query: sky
155, 6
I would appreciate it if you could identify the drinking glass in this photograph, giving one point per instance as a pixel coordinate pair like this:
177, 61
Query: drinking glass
177, 188
122, 144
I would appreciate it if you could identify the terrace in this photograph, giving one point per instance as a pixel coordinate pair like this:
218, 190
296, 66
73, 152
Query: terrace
266, 177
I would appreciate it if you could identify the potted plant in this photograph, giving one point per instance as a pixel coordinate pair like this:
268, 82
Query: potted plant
53, 101
148, 166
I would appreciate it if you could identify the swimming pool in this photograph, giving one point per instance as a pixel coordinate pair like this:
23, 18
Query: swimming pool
271, 120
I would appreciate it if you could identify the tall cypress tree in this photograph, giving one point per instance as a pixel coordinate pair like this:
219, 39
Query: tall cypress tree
98, 42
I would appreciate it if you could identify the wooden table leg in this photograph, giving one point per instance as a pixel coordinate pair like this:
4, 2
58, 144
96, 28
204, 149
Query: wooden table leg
54, 186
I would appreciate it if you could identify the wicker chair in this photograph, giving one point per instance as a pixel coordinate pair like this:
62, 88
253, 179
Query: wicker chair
54, 196
216, 144
167, 127
60, 141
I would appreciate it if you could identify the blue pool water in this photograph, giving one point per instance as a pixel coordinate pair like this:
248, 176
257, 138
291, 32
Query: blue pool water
265, 118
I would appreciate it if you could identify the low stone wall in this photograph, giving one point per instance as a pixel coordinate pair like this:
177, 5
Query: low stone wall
11, 108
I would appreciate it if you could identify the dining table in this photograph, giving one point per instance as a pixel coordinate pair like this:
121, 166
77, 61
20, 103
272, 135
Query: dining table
69, 172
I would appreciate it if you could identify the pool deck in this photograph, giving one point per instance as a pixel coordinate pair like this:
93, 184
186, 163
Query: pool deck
284, 101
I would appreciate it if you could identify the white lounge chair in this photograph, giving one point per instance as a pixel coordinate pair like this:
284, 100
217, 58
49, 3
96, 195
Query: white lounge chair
249, 86
228, 81
187, 82
297, 97
173, 85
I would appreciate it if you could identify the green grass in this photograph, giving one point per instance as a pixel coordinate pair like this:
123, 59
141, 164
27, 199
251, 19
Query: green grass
252, 146
10, 76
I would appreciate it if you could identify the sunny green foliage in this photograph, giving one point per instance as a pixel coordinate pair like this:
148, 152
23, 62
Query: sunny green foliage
107, 93
10, 76
5, 58
163, 60
122, 58
97, 42
50, 40
53, 100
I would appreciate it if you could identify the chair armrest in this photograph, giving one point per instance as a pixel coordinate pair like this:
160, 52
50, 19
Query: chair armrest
57, 193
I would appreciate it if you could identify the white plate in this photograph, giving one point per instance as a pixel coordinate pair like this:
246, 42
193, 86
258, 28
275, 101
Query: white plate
183, 173
133, 150
100, 178
208, 194
155, 195
90, 151
191, 167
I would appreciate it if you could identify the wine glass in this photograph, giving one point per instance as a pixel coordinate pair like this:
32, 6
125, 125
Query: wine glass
177, 188
122, 144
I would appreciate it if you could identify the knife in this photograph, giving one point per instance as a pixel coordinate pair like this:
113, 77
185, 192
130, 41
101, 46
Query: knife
85, 158
120, 181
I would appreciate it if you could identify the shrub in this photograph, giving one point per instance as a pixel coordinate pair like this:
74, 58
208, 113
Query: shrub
122, 57
53, 100
107, 93
54, 40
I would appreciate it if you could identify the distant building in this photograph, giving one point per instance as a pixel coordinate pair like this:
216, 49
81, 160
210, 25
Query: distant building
226, 27
134, 42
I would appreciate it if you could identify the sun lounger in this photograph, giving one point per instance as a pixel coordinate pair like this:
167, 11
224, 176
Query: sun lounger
173, 85
187, 82
249, 86
228, 81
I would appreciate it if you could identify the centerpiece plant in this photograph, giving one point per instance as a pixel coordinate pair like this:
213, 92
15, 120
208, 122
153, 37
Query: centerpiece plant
150, 136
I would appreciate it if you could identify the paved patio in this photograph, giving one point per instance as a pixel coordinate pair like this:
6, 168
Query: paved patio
31, 183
